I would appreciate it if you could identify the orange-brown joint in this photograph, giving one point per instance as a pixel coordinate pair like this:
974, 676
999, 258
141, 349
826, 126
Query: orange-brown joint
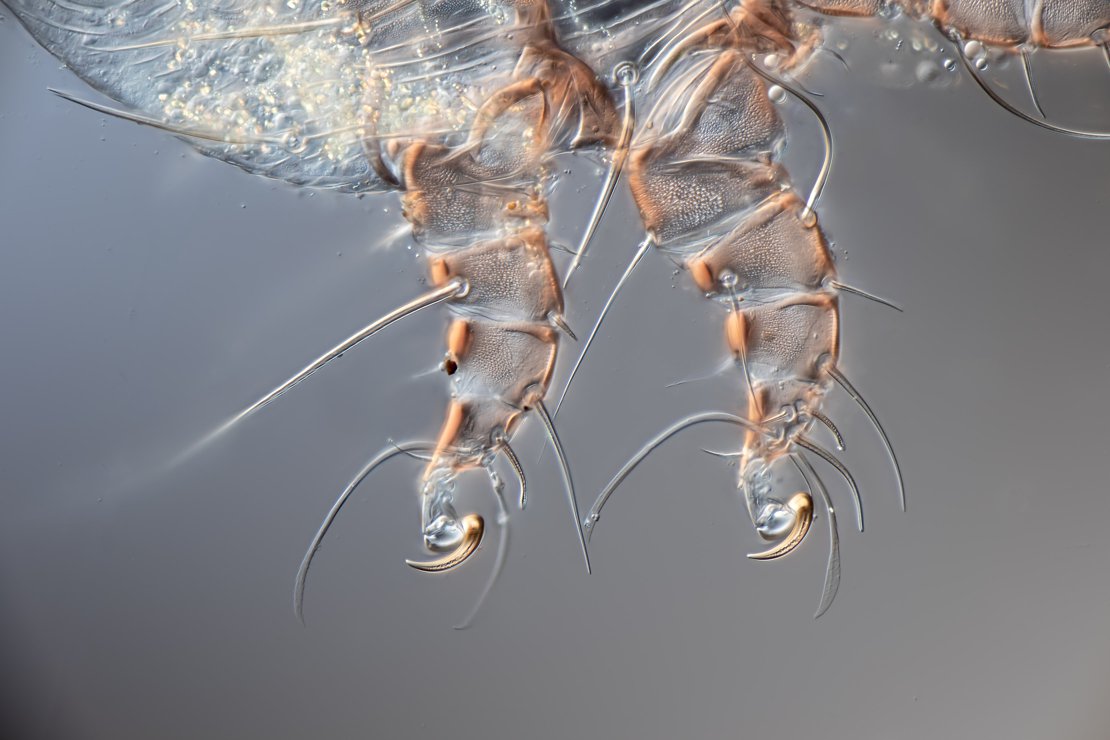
469, 431
439, 271
736, 333
413, 206
699, 271
458, 338
447, 436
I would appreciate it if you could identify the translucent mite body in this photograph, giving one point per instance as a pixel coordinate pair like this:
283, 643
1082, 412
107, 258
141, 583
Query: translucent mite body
461, 104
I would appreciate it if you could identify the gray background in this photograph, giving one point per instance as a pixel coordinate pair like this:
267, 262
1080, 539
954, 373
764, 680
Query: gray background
146, 293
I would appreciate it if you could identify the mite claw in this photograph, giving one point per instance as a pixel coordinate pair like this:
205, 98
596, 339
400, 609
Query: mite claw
473, 529
802, 506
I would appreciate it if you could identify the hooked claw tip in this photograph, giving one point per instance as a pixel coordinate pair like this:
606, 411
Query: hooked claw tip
802, 506
473, 529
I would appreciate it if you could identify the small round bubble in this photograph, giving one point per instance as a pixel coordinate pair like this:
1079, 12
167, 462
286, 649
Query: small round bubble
776, 93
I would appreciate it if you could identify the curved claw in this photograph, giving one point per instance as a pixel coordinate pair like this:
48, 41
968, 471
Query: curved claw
802, 506
473, 529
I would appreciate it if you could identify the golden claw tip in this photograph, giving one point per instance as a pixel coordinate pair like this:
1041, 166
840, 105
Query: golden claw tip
473, 529
802, 506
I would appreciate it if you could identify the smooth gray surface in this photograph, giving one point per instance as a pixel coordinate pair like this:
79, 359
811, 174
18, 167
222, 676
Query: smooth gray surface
147, 293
